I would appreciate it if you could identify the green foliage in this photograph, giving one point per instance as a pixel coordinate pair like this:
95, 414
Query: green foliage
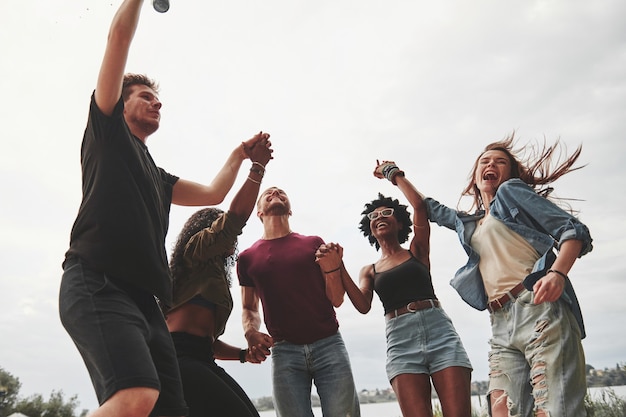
608, 405
35, 405
9, 389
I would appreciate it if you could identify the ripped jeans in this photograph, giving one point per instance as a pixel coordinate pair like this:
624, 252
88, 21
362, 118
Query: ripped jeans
537, 359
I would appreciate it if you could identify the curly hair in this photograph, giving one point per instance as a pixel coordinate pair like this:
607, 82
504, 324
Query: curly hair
137, 79
531, 164
198, 221
400, 213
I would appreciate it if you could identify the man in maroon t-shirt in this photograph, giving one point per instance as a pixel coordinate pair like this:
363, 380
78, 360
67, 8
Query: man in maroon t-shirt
298, 306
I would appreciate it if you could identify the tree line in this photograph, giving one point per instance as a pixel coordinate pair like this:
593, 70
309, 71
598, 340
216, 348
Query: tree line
57, 405
607, 377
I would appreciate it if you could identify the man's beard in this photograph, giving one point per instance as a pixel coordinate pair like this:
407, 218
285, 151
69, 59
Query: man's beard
277, 210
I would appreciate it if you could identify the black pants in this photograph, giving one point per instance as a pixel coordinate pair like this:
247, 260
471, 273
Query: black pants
208, 389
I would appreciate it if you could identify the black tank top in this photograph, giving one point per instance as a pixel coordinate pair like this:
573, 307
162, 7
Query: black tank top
403, 283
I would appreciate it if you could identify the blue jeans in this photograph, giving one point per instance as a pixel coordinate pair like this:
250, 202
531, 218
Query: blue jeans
537, 358
324, 362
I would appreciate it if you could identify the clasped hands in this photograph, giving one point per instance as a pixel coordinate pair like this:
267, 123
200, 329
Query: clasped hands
259, 345
329, 256
258, 148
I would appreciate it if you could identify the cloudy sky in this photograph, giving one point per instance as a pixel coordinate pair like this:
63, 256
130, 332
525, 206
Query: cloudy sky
338, 84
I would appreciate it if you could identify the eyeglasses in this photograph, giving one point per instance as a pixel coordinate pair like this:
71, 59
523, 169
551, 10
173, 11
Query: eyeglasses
387, 212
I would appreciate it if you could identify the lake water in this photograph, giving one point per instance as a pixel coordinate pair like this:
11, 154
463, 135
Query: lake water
392, 409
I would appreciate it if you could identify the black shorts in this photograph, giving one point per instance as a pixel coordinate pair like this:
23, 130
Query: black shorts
121, 334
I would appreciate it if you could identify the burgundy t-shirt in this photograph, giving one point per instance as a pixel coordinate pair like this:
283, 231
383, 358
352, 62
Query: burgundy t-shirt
291, 287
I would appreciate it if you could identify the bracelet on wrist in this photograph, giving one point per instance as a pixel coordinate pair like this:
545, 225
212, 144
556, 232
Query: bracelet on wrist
390, 171
257, 171
242, 355
259, 165
558, 273
253, 180
333, 270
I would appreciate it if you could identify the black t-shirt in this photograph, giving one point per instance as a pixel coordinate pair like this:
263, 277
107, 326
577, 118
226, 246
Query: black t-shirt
124, 214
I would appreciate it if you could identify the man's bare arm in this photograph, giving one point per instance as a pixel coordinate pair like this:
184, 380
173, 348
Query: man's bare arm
111, 76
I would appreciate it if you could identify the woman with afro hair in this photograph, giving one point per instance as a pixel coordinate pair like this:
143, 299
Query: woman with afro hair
422, 343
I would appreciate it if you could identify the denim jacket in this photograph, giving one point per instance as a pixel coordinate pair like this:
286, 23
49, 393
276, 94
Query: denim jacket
540, 222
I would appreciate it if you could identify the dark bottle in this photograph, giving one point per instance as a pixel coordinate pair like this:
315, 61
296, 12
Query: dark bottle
161, 6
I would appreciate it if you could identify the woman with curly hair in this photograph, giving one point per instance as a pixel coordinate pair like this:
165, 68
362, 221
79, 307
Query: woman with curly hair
422, 343
521, 247
201, 263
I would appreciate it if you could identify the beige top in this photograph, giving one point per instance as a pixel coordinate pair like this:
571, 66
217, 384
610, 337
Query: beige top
505, 257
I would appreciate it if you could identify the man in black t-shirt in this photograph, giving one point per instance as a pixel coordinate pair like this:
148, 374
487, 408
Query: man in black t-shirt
116, 263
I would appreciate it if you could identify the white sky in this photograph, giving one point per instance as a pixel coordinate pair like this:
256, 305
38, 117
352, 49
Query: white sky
338, 84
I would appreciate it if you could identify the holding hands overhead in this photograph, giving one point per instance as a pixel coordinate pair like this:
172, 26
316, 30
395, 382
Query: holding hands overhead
258, 148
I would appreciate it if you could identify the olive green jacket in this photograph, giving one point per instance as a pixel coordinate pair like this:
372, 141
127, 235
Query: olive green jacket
204, 269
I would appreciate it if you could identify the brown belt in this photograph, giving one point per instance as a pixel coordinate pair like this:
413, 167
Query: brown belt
511, 295
412, 307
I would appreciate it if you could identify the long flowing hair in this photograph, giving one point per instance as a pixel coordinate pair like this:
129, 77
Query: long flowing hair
198, 221
538, 166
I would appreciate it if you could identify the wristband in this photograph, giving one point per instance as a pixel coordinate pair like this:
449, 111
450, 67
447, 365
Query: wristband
558, 273
333, 270
259, 164
390, 171
258, 171
242, 355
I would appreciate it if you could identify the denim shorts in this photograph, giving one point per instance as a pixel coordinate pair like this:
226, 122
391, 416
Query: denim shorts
121, 335
537, 358
423, 342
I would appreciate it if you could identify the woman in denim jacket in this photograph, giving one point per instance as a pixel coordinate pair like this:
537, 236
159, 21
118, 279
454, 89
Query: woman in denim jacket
521, 247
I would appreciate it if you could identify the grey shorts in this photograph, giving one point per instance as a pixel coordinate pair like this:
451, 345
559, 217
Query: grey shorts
121, 334
423, 342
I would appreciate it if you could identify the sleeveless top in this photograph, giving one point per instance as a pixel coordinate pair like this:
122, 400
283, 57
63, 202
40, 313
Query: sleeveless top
406, 282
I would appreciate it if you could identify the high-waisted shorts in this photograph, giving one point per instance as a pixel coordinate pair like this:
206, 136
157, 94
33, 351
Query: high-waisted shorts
423, 342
